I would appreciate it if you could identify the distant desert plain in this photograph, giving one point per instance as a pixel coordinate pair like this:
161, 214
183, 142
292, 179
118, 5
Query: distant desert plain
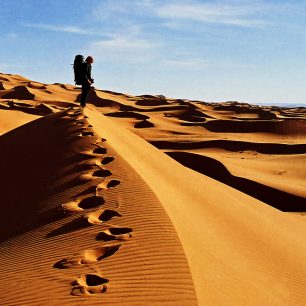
148, 200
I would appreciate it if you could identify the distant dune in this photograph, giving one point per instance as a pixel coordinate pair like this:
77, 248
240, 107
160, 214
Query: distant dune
148, 200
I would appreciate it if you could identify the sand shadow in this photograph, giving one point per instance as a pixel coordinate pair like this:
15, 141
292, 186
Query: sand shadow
208, 166
234, 146
72, 226
284, 127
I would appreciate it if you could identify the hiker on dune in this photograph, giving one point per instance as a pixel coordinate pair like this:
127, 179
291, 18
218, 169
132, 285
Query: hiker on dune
82, 71
87, 81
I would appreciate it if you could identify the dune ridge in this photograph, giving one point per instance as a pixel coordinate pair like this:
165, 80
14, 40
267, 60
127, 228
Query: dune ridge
215, 209
148, 200
76, 237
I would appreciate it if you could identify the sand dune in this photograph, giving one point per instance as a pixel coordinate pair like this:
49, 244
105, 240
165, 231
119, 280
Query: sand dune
13, 119
278, 127
234, 146
217, 170
18, 92
209, 216
61, 211
148, 200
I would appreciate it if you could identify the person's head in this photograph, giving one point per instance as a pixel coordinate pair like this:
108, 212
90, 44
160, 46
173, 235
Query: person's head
89, 60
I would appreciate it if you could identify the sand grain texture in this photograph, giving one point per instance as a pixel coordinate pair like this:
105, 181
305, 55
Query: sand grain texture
57, 243
148, 200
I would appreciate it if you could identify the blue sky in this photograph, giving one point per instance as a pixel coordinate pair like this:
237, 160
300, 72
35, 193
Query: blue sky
250, 51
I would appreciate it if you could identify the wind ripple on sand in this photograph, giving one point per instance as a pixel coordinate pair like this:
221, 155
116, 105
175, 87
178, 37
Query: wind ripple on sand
78, 226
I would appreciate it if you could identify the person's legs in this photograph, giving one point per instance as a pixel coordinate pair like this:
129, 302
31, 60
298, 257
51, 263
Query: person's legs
85, 91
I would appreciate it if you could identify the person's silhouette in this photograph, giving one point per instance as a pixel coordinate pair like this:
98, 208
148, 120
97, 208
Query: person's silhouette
87, 80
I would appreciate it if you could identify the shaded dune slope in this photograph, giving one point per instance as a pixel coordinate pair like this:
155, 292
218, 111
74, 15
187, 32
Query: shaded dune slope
79, 223
39, 109
17, 88
232, 145
262, 112
216, 170
18, 92
13, 119
29, 168
93, 214
234, 126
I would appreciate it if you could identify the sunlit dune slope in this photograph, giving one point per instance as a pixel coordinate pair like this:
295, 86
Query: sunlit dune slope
149, 200
237, 247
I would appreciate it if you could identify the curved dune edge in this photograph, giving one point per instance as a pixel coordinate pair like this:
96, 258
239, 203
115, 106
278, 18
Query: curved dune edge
240, 251
215, 169
13, 119
80, 225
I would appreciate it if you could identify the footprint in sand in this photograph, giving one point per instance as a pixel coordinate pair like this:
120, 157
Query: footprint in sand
74, 115
93, 175
91, 202
92, 162
89, 284
102, 173
80, 117
115, 233
99, 150
96, 217
94, 153
107, 160
80, 205
106, 184
87, 257
65, 118
85, 177
71, 114
101, 215
80, 123
87, 133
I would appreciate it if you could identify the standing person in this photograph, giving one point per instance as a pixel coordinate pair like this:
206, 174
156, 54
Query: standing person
87, 80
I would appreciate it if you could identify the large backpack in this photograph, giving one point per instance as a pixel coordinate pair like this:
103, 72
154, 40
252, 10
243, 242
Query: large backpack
78, 67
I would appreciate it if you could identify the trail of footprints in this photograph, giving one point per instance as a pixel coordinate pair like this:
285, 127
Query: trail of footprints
88, 284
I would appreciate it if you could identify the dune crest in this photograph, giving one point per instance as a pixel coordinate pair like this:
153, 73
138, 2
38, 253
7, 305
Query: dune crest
106, 237
149, 200
219, 223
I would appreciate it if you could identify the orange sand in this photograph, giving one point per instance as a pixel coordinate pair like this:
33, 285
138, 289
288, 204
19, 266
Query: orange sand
146, 200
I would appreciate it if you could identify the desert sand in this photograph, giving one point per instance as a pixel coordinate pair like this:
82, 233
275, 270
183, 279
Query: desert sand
148, 200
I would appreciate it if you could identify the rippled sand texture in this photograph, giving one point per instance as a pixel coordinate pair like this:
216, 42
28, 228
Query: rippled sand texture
147, 200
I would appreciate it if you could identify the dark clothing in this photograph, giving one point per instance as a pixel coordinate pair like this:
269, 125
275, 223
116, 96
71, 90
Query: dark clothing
87, 72
86, 83
85, 91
